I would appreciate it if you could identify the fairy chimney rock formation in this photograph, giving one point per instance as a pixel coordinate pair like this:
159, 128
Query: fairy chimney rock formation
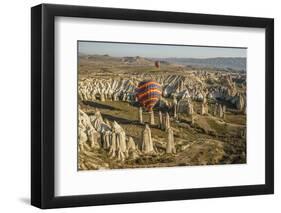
189, 108
102, 98
215, 109
167, 122
87, 134
202, 109
93, 137
82, 139
224, 108
147, 143
240, 103
112, 150
140, 115
107, 122
175, 103
131, 146
151, 116
161, 126
170, 148
204, 98
206, 108
118, 143
220, 111
132, 149
106, 139
192, 119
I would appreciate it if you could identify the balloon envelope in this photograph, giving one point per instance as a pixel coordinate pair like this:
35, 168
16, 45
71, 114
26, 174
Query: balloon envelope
148, 93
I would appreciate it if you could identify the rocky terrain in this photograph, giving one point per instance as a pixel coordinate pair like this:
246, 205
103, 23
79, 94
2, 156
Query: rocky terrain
200, 118
237, 64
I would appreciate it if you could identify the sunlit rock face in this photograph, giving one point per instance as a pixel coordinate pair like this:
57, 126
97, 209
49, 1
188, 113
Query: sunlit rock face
199, 119
95, 133
196, 86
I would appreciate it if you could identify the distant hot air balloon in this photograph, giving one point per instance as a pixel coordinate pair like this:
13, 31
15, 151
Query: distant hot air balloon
157, 64
148, 93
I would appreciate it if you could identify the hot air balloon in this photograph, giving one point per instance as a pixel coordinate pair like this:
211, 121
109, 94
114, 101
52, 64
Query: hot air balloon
157, 64
148, 93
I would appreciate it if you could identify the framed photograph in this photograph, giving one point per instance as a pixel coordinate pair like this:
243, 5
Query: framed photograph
136, 106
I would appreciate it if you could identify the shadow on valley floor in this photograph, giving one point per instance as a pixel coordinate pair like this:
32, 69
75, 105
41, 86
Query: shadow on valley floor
99, 105
120, 120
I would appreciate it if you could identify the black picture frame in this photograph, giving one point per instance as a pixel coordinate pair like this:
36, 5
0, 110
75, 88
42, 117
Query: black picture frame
43, 102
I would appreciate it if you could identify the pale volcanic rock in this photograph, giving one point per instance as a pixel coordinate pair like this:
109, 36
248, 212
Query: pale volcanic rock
133, 150
140, 115
167, 124
161, 124
183, 93
185, 106
121, 146
87, 133
170, 148
220, 111
240, 103
147, 143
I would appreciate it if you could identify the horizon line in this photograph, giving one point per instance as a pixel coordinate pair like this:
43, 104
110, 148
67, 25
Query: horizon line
108, 55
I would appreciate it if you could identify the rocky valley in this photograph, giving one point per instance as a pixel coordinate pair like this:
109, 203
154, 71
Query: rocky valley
199, 119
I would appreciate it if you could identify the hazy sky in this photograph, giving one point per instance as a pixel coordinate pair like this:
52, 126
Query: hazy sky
158, 51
